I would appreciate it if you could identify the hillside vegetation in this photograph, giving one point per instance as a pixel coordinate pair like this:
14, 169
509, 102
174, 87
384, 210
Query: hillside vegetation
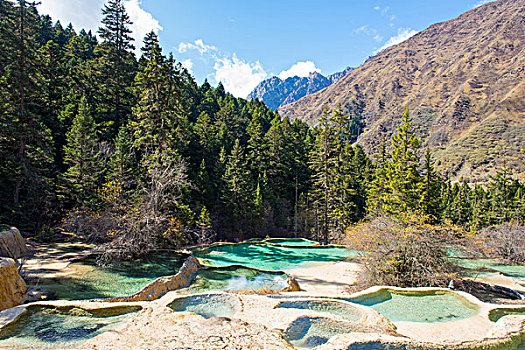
463, 79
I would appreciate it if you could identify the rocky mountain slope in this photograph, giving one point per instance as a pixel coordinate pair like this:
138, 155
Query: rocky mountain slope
275, 92
464, 82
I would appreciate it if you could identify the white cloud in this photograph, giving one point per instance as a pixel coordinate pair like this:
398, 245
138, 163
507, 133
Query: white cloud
238, 77
198, 45
300, 69
369, 31
402, 35
362, 29
481, 3
188, 64
143, 22
377, 8
81, 13
87, 14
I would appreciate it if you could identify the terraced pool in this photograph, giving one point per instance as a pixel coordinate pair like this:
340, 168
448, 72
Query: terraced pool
426, 307
236, 279
270, 257
90, 281
45, 327
514, 270
208, 305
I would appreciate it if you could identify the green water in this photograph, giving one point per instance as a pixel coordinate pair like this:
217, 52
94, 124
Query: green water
51, 328
235, 279
329, 306
427, 308
515, 271
208, 305
270, 257
291, 241
90, 281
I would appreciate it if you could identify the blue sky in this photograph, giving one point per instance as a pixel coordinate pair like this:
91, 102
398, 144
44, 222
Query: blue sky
242, 42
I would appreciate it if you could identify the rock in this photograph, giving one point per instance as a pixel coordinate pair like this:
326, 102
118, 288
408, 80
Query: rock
12, 286
293, 285
12, 244
163, 285
488, 292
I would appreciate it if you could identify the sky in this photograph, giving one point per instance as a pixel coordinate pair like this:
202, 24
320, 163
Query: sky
242, 42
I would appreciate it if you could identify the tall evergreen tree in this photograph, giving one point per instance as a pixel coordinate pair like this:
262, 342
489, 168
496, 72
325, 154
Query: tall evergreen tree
82, 156
430, 198
115, 67
238, 193
322, 158
158, 121
404, 180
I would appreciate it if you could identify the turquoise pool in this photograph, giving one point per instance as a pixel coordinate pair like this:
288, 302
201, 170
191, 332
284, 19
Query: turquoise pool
208, 305
515, 271
270, 257
426, 307
328, 306
90, 281
235, 278
44, 327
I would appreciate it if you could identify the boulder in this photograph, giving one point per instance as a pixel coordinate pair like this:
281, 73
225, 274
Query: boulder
12, 286
163, 285
12, 244
293, 285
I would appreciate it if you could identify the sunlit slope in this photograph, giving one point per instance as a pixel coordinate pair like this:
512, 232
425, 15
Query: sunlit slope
464, 81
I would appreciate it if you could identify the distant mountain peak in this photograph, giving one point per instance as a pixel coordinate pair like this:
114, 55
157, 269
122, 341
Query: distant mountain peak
276, 92
463, 80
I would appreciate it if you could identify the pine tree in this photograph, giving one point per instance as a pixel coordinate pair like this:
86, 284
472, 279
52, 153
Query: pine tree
379, 191
116, 27
460, 209
26, 151
322, 158
480, 208
158, 122
204, 226
430, 199
82, 157
115, 67
404, 180
238, 191
122, 162
502, 196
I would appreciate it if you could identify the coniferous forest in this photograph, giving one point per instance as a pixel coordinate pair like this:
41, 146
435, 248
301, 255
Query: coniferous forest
132, 153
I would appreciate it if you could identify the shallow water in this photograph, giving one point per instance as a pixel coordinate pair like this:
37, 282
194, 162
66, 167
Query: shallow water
235, 279
270, 257
90, 281
50, 328
208, 305
427, 308
515, 271
329, 306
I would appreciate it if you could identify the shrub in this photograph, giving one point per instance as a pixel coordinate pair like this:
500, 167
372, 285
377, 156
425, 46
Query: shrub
505, 242
403, 252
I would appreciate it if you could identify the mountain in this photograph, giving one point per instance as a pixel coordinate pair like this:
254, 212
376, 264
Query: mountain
275, 92
464, 82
